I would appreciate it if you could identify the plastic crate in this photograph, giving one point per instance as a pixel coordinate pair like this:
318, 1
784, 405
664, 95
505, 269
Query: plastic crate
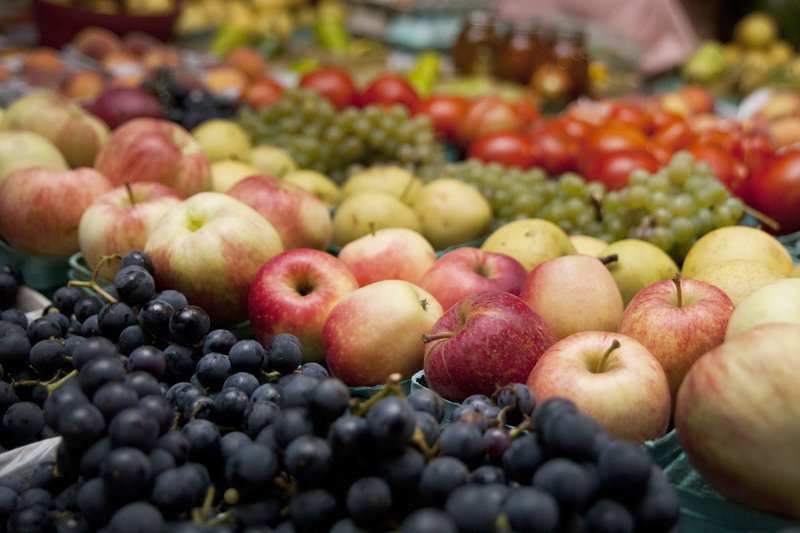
44, 273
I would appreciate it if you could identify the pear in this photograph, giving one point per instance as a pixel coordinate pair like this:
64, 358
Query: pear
530, 241
317, 184
21, 149
222, 139
452, 212
366, 212
737, 242
585, 244
225, 173
271, 160
396, 181
778, 301
638, 264
738, 278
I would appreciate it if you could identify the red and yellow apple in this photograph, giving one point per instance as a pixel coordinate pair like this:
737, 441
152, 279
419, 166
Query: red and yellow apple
610, 377
738, 418
677, 321
574, 293
388, 253
294, 292
469, 270
486, 340
120, 221
210, 247
148, 149
40, 208
301, 219
377, 330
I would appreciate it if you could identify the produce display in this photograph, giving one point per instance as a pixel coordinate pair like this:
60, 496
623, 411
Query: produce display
299, 294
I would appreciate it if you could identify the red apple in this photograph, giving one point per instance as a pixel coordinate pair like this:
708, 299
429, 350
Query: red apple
485, 341
694, 313
610, 377
149, 149
120, 221
376, 331
738, 418
210, 247
294, 292
574, 293
40, 208
469, 270
301, 219
388, 253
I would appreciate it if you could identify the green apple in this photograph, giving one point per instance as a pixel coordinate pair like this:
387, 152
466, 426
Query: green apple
366, 212
451, 212
222, 139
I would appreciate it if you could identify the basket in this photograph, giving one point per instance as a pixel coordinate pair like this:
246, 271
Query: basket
59, 23
44, 273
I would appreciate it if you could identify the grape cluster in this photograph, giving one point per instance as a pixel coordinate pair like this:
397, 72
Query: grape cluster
165, 423
671, 208
338, 143
183, 104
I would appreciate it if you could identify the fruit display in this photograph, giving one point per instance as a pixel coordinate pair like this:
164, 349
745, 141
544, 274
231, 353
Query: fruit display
162, 421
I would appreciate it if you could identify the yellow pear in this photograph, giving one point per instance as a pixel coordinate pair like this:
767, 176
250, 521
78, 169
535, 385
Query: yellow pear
226, 173
21, 149
452, 212
585, 244
738, 278
638, 264
737, 242
396, 181
316, 183
222, 139
530, 241
271, 160
775, 302
366, 212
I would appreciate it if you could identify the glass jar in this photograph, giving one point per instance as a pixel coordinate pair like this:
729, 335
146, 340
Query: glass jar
564, 74
519, 52
475, 46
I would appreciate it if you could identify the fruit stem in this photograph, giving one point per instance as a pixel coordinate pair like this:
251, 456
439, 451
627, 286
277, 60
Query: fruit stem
762, 217
418, 439
94, 286
407, 189
676, 279
128, 188
436, 336
606, 259
601, 365
392, 385
372, 228
56, 384
597, 203
525, 425
199, 514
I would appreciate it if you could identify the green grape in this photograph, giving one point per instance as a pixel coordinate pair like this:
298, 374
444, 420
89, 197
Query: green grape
506, 211
695, 183
736, 205
573, 207
701, 168
683, 229
658, 183
682, 205
661, 237
703, 220
638, 177
615, 227
566, 224
526, 203
572, 185
661, 216
680, 167
656, 200
584, 219
637, 196
611, 202
722, 216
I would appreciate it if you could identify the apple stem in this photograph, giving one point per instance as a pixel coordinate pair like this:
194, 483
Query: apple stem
128, 188
372, 227
606, 259
614, 345
597, 203
407, 188
436, 336
676, 279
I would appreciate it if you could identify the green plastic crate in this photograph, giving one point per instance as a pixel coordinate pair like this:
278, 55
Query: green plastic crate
44, 273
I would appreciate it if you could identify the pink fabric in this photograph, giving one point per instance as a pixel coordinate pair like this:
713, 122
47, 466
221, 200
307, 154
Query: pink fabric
661, 27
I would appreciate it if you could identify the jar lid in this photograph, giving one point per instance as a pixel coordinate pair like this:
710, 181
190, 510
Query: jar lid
480, 18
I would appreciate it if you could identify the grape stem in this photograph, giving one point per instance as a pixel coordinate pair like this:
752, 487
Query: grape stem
762, 217
92, 283
418, 439
676, 279
392, 386
199, 514
526, 424
602, 363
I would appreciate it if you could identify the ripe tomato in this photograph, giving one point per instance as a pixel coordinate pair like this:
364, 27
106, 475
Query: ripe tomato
727, 169
389, 89
553, 149
611, 137
630, 113
334, 83
775, 190
674, 135
508, 148
444, 111
728, 140
613, 168
756, 149
526, 110
485, 115
262, 92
